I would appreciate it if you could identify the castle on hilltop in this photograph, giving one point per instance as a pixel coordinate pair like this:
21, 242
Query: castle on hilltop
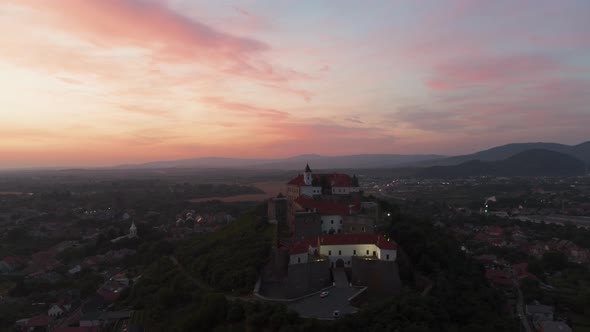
324, 204
325, 227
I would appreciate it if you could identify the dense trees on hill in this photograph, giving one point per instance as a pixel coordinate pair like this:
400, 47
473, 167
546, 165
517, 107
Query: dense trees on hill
231, 258
189, 296
172, 301
460, 299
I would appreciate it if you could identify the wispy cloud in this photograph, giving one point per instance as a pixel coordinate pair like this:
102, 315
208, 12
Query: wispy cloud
163, 33
246, 110
488, 71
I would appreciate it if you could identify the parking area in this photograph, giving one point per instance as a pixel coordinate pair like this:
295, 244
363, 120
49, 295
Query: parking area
323, 308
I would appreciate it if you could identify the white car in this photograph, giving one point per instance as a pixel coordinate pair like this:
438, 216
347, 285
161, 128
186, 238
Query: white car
324, 294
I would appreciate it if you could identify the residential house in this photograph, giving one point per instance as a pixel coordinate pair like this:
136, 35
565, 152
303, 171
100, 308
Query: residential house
11, 264
37, 323
499, 278
539, 312
60, 308
552, 326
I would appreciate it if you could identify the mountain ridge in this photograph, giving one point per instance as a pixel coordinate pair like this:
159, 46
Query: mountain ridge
579, 151
535, 162
296, 162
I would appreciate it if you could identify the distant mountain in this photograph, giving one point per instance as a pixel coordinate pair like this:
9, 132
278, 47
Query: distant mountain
292, 163
208, 162
580, 151
536, 162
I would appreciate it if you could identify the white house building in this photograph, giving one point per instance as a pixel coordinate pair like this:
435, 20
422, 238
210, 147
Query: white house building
340, 248
58, 309
132, 234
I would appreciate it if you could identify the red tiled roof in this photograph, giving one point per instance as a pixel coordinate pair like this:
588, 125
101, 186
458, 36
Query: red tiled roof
520, 268
501, 281
499, 277
343, 239
497, 274
77, 329
327, 208
335, 179
108, 295
303, 245
9, 260
42, 320
493, 230
299, 181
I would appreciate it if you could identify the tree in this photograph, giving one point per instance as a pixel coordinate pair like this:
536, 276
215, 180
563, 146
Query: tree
554, 260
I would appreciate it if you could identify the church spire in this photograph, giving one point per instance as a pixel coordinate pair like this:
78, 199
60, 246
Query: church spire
307, 178
132, 230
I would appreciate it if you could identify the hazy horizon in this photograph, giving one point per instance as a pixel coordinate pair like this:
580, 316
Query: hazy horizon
269, 159
104, 83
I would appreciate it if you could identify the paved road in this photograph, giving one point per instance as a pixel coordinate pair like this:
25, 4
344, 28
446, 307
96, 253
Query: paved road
340, 277
520, 307
323, 308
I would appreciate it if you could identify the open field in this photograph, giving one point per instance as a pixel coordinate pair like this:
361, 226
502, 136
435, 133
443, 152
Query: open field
271, 189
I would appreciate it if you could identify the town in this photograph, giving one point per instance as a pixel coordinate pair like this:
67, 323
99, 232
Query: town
72, 266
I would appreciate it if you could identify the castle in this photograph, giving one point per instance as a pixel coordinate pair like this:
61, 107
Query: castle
325, 223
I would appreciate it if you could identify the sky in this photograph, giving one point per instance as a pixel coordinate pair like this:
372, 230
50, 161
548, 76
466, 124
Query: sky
105, 82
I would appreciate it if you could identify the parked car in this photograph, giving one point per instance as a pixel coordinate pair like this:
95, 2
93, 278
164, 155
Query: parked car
336, 313
324, 294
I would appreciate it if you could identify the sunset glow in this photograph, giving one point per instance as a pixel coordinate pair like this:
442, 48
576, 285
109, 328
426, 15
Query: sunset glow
105, 82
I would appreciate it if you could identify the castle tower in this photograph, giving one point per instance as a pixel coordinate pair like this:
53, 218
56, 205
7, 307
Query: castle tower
307, 178
132, 230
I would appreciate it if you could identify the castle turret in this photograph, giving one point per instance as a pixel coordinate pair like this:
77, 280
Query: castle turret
307, 178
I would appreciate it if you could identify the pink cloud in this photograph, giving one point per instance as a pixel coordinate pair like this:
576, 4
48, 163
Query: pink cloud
561, 89
169, 36
306, 95
246, 109
489, 71
144, 110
